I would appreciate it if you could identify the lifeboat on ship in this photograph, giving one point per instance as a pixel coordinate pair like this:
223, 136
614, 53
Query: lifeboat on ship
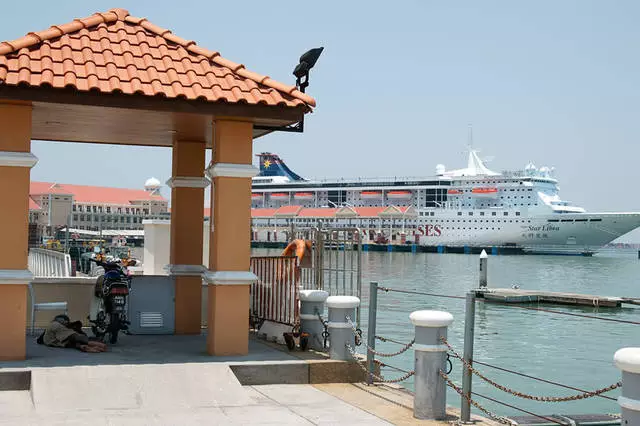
399, 195
279, 196
303, 196
256, 196
485, 192
371, 195
454, 192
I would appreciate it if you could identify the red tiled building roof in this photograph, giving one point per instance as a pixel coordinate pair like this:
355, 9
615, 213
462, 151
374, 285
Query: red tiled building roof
33, 205
262, 212
318, 212
368, 211
288, 211
94, 194
114, 52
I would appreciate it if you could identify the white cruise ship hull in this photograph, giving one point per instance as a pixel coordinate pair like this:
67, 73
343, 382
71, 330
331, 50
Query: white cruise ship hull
580, 233
469, 207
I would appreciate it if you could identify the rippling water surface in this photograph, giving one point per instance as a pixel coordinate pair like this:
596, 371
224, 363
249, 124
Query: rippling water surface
571, 350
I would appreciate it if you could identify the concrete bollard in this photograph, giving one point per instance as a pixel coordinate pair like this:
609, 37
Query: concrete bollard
628, 361
483, 268
312, 305
430, 357
340, 331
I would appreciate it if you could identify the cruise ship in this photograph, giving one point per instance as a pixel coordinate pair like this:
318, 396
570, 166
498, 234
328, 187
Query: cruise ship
468, 207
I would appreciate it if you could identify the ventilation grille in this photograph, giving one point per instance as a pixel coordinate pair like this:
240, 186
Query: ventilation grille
151, 320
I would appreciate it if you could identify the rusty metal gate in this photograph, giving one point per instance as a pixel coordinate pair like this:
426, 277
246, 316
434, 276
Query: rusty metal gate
274, 297
336, 262
335, 265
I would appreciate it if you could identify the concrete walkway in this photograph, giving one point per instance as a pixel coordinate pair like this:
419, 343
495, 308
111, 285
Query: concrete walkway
170, 380
145, 349
263, 405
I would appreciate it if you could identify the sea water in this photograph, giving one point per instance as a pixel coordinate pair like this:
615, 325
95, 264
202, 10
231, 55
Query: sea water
570, 350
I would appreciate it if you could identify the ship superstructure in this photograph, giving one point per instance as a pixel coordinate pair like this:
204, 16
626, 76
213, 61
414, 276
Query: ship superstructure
473, 206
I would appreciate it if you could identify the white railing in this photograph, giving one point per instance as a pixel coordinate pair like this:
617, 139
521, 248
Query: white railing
49, 263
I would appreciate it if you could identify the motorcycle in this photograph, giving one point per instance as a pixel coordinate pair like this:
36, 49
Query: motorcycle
111, 301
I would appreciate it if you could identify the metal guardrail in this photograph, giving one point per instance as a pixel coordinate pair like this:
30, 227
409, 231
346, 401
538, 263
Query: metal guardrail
49, 263
274, 297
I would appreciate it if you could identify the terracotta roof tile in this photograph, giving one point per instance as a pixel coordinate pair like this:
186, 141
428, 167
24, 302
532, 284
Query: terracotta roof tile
369, 211
318, 212
262, 212
115, 52
94, 194
288, 211
33, 205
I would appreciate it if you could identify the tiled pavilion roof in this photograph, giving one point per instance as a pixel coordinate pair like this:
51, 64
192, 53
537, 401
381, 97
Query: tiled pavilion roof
114, 52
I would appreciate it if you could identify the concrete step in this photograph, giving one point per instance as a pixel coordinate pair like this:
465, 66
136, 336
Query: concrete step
15, 404
149, 386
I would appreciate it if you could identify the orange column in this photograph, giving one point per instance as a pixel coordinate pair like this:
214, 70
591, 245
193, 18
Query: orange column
16, 161
229, 278
187, 219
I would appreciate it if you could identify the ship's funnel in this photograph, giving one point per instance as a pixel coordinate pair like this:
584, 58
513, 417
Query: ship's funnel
272, 165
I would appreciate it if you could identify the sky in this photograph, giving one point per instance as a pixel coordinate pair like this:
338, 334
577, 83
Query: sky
551, 82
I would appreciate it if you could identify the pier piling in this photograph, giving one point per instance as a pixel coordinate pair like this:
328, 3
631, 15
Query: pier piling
341, 335
430, 358
484, 260
628, 361
311, 311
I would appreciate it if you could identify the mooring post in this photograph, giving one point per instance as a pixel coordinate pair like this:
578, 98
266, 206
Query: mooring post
371, 329
484, 259
341, 335
469, 325
311, 311
628, 361
430, 398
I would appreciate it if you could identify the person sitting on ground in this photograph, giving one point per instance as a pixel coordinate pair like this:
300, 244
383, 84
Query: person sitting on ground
62, 333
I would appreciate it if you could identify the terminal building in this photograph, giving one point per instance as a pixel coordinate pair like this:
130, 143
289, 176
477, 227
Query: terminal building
53, 206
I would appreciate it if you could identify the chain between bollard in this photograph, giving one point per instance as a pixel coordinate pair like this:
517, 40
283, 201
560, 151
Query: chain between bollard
356, 331
577, 397
325, 332
354, 354
387, 339
406, 346
493, 416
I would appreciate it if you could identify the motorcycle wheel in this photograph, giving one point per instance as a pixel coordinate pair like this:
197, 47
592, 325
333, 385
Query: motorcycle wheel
114, 328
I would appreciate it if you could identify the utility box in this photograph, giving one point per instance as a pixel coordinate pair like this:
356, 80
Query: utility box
152, 304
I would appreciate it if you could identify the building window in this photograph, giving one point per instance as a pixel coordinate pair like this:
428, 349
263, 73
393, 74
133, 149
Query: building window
75, 217
517, 213
493, 213
506, 213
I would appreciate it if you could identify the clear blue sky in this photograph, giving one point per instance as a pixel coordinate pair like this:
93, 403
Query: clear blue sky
553, 82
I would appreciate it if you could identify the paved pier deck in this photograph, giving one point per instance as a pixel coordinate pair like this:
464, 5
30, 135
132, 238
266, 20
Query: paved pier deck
170, 380
510, 295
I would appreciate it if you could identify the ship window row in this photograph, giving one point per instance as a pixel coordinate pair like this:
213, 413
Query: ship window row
574, 220
480, 220
477, 229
